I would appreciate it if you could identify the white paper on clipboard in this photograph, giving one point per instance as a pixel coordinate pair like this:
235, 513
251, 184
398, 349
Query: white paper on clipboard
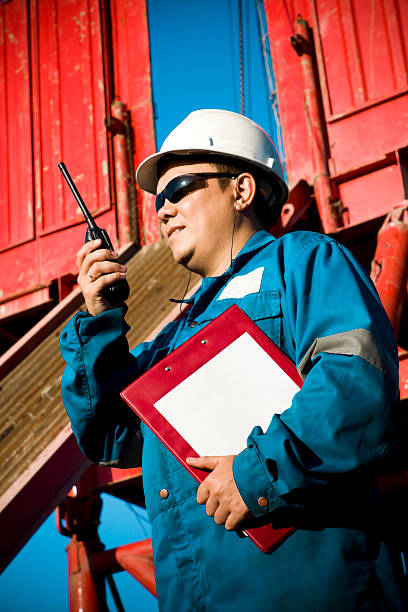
216, 407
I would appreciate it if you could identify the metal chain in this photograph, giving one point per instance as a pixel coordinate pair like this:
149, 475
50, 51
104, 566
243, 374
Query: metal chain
263, 34
241, 58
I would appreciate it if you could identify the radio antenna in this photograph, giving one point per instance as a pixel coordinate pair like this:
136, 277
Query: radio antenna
88, 218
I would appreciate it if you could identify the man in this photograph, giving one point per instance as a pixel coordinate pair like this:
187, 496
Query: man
220, 185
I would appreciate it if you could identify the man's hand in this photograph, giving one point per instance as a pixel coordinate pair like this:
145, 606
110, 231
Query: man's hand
219, 492
98, 268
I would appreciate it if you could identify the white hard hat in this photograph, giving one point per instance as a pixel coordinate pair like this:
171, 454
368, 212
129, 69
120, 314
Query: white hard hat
223, 134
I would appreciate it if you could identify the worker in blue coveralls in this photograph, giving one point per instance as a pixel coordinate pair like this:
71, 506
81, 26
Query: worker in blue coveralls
219, 185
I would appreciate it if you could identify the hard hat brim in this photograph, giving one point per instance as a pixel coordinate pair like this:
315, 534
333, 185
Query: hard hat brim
147, 176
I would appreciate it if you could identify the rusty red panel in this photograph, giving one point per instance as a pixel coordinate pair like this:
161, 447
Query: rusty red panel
55, 84
16, 196
363, 137
23, 260
364, 50
132, 81
53, 92
361, 54
68, 95
371, 195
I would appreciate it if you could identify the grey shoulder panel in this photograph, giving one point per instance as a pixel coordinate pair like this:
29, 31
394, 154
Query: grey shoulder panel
359, 342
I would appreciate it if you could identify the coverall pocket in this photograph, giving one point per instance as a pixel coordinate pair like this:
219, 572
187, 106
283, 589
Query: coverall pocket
264, 308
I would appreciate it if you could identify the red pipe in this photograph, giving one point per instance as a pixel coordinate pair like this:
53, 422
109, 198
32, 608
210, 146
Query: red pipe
325, 197
122, 171
136, 559
86, 589
389, 269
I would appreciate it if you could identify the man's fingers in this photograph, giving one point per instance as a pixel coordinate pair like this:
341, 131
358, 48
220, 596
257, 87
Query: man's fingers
203, 463
97, 257
221, 515
103, 281
98, 268
87, 257
87, 248
104, 267
232, 522
211, 507
202, 493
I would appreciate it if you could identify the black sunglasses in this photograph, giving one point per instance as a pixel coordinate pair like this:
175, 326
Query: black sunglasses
180, 186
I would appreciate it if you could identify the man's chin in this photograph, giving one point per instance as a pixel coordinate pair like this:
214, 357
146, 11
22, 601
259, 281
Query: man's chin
181, 257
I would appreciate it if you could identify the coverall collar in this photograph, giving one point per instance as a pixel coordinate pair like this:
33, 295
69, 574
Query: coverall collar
257, 242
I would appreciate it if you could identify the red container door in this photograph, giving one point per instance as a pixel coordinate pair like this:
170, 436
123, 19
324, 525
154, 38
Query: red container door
17, 216
363, 61
56, 89
361, 50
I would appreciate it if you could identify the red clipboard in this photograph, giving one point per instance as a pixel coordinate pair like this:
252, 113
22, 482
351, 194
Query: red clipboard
203, 362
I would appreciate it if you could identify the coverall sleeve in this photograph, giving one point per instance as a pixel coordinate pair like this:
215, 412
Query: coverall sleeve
340, 424
99, 366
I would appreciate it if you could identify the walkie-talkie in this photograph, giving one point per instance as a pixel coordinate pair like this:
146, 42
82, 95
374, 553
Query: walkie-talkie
117, 292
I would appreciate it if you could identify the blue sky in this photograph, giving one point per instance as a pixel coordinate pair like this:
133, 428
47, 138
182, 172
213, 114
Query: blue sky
195, 61
195, 64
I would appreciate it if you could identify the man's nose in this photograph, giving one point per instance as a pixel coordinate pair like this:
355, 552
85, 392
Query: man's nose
167, 211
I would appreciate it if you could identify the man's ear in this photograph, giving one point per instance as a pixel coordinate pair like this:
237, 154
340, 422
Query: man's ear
245, 188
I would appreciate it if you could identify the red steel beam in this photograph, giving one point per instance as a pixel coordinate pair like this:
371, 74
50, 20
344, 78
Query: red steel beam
135, 558
34, 495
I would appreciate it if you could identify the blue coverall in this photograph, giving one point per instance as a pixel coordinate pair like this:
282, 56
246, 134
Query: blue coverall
316, 463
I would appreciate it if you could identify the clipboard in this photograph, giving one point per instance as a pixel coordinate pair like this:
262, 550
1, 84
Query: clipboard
205, 397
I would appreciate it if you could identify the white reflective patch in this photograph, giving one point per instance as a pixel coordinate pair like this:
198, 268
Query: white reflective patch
240, 286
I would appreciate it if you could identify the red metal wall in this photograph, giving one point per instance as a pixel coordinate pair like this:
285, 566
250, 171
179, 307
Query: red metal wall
61, 64
341, 71
362, 63
132, 83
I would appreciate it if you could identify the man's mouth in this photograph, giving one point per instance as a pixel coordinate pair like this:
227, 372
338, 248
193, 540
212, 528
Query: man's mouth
174, 230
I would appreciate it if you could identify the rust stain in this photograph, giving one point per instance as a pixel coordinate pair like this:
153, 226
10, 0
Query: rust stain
12, 38
82, 27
